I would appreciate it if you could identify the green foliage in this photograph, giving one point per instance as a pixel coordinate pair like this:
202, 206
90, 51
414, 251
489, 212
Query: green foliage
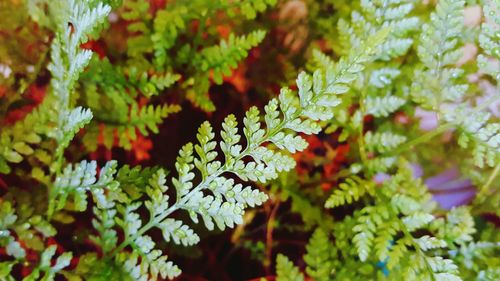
374, 15
488, 40
383, 106
387, 224
438, 51
250, 8
438, 83
120, 196
477, 134
18, 141
387, 233
302, 203
8, 218
382, 142
55, 117
286, 271
111, 93
218, 61
68, 61
351, 190
47, 267
199, 61
225, 206
77, 180
396, 230
319, 256
163, 53
20, 224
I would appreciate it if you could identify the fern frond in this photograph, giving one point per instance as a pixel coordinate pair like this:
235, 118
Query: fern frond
321, 60
167, 26
286, 271
477, 133
489, 62
349, 191
319, 256
427, 242
21, 139
384, 240
219, 60
389, 231
150, 117
383, 106
366, 227
383, 77
383, 142
7, 240
77, 119
256, 161
76, 180
49, 268
147, 266
458, 226
374, 15
438, 51
250, 8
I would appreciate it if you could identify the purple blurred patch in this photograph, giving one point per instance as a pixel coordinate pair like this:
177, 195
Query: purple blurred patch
450, 190
428, 119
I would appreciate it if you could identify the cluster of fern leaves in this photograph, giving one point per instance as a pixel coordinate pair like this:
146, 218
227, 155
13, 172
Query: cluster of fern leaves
395, 229
83, 76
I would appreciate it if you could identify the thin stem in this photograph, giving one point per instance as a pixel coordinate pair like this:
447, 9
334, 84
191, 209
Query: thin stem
199, 33
423, 138
269, 236
361, 139
442, 128
408, 235
484, 189
416, 246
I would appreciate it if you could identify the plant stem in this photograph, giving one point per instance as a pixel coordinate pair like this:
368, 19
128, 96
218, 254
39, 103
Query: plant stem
408, 235
484, 189
442, 128
269, 237
361, 139
423, 138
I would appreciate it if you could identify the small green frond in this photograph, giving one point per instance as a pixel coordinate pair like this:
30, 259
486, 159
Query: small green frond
477, 133
383, 142
375, 15
383, 106
250, 8
77, 180
147, 266
438, 41
349, 191
427, 242
48, 268
178, 232
286, 271
319, 257
438, 50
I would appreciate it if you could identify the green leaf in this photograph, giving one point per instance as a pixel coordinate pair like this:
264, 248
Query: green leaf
286, 271
319, 257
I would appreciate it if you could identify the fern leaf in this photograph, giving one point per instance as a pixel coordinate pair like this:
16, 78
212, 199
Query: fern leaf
319, 257
383, 106
349, 191
77, 179
286, 271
